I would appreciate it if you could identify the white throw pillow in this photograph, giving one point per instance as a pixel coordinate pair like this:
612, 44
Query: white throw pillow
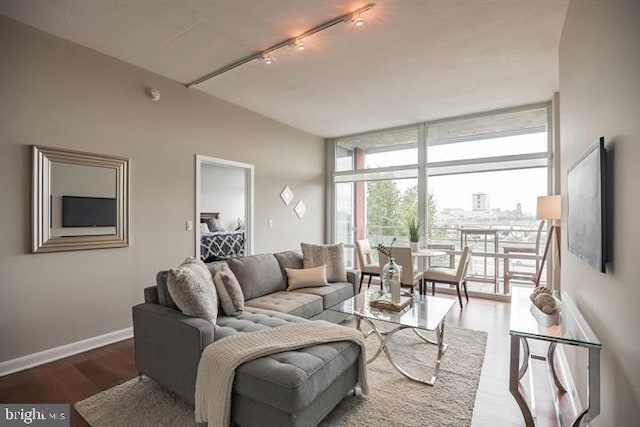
191, 287
306, 277
215, 225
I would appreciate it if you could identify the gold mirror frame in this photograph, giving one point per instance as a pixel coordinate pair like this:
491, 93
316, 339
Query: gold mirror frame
42, 240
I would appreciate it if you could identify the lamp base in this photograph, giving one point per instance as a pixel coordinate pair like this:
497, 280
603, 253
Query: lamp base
554, 229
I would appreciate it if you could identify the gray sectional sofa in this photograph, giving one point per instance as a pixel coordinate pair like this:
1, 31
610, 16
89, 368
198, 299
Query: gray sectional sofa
293, 388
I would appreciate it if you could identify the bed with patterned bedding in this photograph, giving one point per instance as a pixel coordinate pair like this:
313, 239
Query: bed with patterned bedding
221, 245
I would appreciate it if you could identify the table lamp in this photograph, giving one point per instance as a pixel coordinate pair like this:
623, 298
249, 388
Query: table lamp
548, 207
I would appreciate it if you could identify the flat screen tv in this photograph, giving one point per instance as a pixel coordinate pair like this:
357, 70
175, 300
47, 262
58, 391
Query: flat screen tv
88, 211
586, 207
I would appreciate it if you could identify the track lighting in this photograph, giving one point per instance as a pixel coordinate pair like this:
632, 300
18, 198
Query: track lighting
265, 55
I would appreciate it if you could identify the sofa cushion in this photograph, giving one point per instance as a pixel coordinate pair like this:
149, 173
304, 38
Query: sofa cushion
330, 255
289, 380
251, 320
289, 259
229, 291
298, 278
258, 275
294, 303
191, 287
164, 297
332, 294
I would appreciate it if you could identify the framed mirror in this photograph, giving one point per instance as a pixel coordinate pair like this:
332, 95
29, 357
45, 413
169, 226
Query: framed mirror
79, 200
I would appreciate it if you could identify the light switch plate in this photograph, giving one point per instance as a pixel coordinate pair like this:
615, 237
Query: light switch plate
189, 225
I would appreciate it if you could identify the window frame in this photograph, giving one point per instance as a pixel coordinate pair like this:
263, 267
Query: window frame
423, 169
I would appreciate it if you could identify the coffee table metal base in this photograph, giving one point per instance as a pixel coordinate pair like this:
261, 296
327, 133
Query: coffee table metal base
384, 338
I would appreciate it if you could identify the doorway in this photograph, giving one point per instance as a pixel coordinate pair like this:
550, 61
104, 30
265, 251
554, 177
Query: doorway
224, 208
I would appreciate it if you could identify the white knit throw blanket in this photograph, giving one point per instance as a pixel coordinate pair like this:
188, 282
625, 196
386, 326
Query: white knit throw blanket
220, 359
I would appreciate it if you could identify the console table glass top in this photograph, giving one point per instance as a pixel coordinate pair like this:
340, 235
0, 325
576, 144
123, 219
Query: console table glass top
425, 312
568, 327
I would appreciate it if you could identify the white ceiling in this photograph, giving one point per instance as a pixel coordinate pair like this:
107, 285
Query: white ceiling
413, 60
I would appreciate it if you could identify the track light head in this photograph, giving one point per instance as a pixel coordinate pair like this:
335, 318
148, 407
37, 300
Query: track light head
267, 59
359, 21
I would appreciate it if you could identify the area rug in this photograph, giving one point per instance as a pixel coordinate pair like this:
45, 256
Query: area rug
394, 400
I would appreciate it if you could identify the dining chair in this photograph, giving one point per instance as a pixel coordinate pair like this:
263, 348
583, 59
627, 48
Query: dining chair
451, 276
510, 274
403, 257
365, 259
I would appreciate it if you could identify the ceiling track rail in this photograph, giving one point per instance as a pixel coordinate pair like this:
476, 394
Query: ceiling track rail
346, 18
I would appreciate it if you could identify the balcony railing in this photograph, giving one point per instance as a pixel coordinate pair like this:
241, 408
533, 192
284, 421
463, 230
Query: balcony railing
484, 260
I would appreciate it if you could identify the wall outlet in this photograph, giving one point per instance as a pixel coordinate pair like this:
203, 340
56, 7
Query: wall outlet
270, 222
189, 225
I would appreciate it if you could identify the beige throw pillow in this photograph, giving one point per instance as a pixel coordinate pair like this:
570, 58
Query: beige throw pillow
229, 291
330, 255
306, 277
191, 287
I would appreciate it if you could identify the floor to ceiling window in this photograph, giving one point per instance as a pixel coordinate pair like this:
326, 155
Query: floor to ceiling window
375, 187
481, 172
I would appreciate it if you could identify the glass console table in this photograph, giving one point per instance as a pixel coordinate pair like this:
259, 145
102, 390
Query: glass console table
569, 328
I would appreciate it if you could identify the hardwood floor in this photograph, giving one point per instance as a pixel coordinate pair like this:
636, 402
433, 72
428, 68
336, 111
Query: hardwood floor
78, 377
71, 379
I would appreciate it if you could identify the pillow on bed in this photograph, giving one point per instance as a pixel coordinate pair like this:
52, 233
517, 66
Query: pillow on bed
204, 228
306, 277
191, 287
214, 224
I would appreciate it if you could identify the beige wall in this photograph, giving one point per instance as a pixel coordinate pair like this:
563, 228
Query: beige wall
58, 94
600, 96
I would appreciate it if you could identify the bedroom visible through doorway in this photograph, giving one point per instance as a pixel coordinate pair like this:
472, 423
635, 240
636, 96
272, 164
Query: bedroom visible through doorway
224, 208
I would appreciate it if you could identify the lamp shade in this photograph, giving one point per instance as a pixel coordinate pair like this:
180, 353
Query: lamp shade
548, 207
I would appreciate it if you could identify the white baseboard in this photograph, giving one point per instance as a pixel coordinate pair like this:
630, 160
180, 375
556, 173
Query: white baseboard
46, 356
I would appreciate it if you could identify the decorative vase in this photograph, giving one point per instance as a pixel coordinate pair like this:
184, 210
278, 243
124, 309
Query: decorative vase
390, 272
415, 246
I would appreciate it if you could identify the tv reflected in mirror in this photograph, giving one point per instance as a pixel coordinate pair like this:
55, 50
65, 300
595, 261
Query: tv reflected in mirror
586, 207
89, 211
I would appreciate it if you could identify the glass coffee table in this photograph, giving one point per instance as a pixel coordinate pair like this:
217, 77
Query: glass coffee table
424, 314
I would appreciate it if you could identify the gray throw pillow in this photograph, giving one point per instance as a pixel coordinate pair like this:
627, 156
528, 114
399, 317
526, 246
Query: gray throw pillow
306, 277
330, 255
229, 291
191, 287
